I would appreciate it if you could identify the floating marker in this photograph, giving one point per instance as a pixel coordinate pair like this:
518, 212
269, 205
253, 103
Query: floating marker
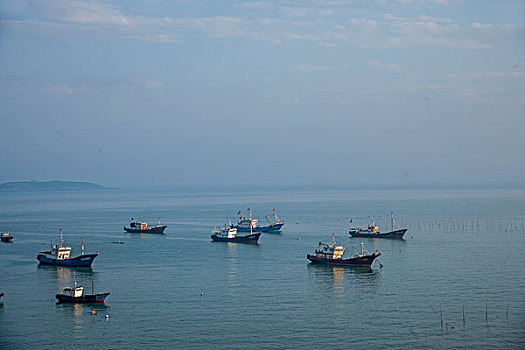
93, 312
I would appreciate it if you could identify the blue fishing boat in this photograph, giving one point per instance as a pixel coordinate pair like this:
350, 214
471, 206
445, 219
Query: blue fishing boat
59, 255
227, 233
76, 295
250, 224
331, 254
372, 231
142, 227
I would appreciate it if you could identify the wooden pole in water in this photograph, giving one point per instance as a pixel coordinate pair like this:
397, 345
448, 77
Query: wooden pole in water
487, 307
92, 287
463, 309
441, 311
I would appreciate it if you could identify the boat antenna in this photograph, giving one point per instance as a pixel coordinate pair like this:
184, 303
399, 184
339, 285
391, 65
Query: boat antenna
60, 236
373, 224
333, 239
159, 220
82, 245
392, 216
362, 247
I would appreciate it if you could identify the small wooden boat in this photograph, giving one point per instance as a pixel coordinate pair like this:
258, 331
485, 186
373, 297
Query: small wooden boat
330, 254
229, 234
76, 295
6, 237
142, 227
373, 231
59, 255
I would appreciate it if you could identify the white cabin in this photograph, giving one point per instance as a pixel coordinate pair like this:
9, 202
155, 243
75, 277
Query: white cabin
74, 292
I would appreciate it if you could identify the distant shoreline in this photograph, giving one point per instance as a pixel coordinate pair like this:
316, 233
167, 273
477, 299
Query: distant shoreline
54, 185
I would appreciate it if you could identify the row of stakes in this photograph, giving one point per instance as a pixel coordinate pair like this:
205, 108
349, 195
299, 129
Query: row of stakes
463, 311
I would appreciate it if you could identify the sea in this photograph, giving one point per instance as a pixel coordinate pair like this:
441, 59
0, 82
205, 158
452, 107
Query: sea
456, 280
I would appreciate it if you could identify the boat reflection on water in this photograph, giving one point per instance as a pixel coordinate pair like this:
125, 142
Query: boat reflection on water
336, 280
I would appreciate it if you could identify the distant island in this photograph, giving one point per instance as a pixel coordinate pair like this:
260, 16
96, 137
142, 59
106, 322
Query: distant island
48, 186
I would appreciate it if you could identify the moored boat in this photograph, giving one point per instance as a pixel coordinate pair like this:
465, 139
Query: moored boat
59, 255
6, 237
142, 227
372, 231
247, 224
76, 295
331, 254
227, 233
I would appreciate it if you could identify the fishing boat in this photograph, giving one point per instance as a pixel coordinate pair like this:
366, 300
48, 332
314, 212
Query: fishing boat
6, 237
247, 224
142, 227
59, 255
331, 254
372, 231
76, 295
227, 233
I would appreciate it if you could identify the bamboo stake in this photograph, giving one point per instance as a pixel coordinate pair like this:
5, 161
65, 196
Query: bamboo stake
441, 311
487, 307
463, 309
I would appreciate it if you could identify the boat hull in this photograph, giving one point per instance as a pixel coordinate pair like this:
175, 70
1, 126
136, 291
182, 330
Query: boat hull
79, 261
7, 239
85, 299
267, 229
253, 238
155, 229
360, 261
393, 234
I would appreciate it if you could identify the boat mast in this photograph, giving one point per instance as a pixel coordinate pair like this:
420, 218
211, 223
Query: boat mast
333, 239
82, 245
362, 249
392, 216
61, 240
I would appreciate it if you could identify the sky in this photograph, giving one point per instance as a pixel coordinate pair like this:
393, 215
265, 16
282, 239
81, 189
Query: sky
227, 93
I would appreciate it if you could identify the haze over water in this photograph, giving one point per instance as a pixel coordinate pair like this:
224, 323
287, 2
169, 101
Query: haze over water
267, 295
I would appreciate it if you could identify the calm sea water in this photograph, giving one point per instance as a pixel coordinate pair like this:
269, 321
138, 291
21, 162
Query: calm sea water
459, 243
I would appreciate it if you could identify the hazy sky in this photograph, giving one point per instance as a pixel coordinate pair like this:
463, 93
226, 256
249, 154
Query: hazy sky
182, 92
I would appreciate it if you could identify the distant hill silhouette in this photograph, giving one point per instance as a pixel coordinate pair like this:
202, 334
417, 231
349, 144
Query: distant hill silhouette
48, 186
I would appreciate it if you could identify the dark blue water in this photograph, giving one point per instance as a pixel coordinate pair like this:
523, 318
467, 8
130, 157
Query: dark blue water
459, 243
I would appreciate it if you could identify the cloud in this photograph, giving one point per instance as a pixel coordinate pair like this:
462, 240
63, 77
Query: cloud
485, 75
392, 67
149, 83
86, 12
364, 25
327, 24
304, 67
59, 89
258, 5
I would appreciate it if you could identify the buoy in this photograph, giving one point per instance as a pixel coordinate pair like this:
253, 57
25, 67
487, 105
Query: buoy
202, 294
107, 317
93, 312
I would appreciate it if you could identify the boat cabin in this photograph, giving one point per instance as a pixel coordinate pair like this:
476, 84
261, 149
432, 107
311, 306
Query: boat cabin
61, 253
248, 222
76, 292
330, 251
141, 225
229, 232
